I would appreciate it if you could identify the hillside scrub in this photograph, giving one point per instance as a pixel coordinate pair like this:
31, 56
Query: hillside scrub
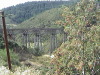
80, 54
38, 66
3, 58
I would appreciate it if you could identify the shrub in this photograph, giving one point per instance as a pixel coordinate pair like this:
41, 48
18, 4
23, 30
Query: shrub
1, 42
80, 53
37, 51
3, 57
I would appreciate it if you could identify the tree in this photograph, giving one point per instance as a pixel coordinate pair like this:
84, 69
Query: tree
80, 54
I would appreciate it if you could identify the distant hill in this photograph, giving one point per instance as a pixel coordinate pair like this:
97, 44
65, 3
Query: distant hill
22, 12
26, 10
45, 19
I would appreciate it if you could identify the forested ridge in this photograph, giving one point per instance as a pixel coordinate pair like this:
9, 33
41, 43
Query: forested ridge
22, 12
44, 20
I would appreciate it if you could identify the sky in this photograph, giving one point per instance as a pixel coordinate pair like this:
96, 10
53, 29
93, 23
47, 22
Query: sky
7, 3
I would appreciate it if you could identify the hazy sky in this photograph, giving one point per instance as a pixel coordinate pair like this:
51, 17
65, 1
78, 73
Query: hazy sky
7, 3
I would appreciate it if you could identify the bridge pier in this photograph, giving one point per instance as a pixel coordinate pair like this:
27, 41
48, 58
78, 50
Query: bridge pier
37, 41
53, 42
24, 39
28, 40
40, 42
11, 35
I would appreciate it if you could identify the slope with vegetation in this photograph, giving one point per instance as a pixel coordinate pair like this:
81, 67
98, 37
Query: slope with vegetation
22, 12
81, 52
45, 19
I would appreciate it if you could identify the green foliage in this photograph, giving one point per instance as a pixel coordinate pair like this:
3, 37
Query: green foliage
81, 50
1, 42
3, 57
37, 52
11, 44
45, 19
25, 11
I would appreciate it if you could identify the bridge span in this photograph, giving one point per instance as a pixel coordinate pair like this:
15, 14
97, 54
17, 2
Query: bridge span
34, 37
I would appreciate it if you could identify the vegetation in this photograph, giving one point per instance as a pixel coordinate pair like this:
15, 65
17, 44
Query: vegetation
80, 54
25, 11
45, 19
37, 52
3, 58
1, 42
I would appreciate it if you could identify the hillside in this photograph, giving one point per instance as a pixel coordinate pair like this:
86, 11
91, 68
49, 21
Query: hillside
45, 19
81, 51
22, 12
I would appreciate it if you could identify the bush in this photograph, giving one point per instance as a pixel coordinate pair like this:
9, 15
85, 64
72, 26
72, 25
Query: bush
3, 57
1, 42
37, 51
80, 53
